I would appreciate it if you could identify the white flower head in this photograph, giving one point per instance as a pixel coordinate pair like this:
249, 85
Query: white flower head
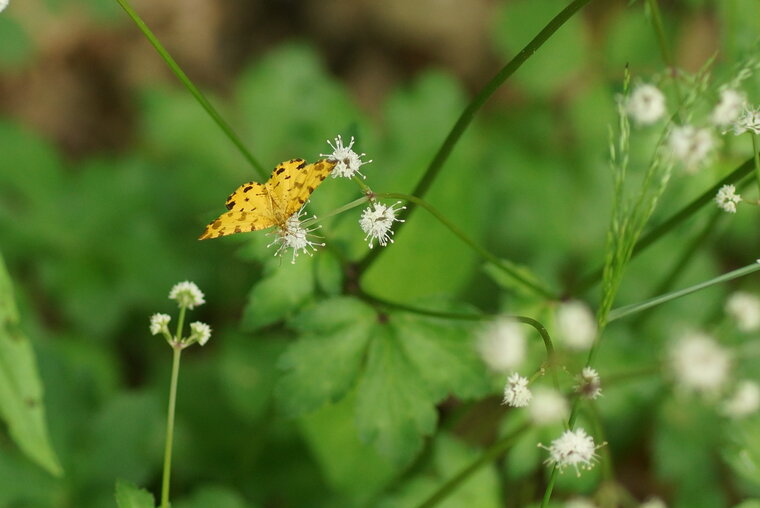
376, 221
699, 363
516, 392
187, 294
293, 235
744, 401
548, 406
159, 323
200, 332
502, 344
745, 309
727, 198
729, 107
749, 120
579, 502
646, 104
653, 502
576, 325
690, 146
348, 161
3, 5
589, 384
573, 448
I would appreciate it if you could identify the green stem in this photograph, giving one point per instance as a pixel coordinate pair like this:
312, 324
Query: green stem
337, 211
468, 114
549, 487
180, 324
675, 220
533, 286
493, 453
638, 307
177, 348
177, 70
421, 311
756, 158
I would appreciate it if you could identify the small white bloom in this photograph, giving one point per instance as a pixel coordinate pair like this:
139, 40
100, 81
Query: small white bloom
646, 104
690, 146
744, 401
516, 393
573, 448
699, 363
589, 384
579, 502
3, 5
502, 345
654, 502
377, 220
348, 161
727, 198
292, 235
745, 309
547, 407
729, 107
576, 325
159, 323
200, 332
187, 294
749, 120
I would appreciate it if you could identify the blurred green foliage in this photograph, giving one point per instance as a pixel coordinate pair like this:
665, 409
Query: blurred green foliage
305, 396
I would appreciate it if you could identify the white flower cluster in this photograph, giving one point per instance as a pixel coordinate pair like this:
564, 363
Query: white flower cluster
748, 121
294, 235
727, 198
646, 104
573, 448
188, 295
745, 309
589, 384
376, 222
348, 161
3, 4
691, 146
700, 364
516, 392
576, 325
502, 344
159, 323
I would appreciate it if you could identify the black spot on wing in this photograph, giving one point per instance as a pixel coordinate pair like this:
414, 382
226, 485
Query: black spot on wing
231, 204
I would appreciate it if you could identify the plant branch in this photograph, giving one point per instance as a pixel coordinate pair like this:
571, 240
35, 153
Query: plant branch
177, 70
673, 221
468, 114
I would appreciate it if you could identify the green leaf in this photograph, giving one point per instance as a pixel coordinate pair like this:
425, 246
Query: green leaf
351, 467
395, 407
322, 365
20, 387
443, 354
129, 496
284, 289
